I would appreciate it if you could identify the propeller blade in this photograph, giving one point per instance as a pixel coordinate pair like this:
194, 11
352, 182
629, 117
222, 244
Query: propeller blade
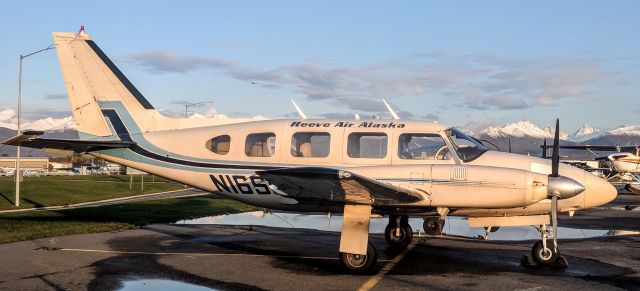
509, 145
555, 157
544, 149
554, 220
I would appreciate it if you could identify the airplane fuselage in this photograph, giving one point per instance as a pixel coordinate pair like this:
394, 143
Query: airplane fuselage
419, 155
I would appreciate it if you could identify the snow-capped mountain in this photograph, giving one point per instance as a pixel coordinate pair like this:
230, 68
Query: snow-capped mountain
526, 137
585, 132
523, 128
53, 128
198, 115
630, 130
51, 124
44, 124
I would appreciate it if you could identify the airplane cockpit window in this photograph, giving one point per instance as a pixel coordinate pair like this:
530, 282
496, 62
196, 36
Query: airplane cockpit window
310, 144
260, 144
219, 144
367, 145
467, 148
422, 146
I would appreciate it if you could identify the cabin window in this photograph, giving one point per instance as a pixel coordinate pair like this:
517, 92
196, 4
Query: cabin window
310, 144
260, 144
422, 146
219, 144
367, 145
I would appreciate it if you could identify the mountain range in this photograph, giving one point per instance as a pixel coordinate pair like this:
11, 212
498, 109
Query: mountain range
525, 136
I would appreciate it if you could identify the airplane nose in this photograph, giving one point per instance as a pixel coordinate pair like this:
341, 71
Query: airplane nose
598, 192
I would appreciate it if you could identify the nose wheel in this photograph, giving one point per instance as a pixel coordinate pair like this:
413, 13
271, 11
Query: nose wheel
545, 255
398, 232
545, 252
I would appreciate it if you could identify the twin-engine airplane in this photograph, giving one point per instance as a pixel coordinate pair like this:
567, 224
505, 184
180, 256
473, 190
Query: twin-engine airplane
361, 168
622, 164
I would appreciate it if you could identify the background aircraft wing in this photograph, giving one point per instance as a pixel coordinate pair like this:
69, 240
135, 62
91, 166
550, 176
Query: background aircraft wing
603, 148
332, 185
29, 139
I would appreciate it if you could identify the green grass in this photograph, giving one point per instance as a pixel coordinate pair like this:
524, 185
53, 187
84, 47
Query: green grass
40, 224
63, 190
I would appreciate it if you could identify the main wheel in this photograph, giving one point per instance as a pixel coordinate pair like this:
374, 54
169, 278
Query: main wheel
433, 225
492, 228
400, 238
545, 257
360, 264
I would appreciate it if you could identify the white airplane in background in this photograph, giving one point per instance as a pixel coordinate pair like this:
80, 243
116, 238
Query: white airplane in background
361, 168
622, 165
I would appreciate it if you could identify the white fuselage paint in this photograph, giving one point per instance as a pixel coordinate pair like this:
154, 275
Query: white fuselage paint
238, 184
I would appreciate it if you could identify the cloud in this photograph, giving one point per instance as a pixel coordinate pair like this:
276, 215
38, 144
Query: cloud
7, 114
337, 115
359, 104
55, 96
405, 114
430, 116
474, 81
162, 61
39, 113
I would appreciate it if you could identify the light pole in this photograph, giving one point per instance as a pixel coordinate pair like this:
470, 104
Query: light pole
17, 174
187, 105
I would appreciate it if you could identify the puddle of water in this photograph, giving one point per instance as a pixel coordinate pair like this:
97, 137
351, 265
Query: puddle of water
453, 226
160, 285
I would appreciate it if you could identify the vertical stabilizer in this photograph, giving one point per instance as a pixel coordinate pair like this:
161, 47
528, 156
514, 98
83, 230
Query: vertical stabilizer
94, 83
91, 78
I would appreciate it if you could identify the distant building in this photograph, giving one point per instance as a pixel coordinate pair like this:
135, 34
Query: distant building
132, 171
26, 163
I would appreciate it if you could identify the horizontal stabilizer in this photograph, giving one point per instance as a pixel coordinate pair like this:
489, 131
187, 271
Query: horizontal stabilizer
332, 185
29, 139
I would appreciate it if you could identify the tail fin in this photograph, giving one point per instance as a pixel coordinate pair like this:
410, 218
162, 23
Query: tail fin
91, 78
94, 83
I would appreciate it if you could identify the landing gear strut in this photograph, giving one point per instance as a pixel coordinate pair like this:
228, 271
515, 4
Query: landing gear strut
398, 232
433, 225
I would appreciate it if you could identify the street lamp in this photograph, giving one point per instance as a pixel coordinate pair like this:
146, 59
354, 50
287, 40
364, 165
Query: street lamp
186, 106
17, 171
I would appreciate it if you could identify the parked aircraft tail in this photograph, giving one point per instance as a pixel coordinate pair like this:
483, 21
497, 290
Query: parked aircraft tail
94, 83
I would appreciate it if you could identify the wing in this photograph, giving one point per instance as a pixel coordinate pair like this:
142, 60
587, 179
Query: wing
337, 186
602, 148
29, 139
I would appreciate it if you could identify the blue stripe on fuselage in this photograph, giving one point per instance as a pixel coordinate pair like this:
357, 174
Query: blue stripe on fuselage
124, 135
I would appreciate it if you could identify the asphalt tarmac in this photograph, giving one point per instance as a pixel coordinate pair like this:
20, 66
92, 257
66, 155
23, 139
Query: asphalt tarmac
244, 257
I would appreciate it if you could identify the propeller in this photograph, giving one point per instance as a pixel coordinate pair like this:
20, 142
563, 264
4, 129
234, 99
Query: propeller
509, 145
555, 164
560, 187
544, 149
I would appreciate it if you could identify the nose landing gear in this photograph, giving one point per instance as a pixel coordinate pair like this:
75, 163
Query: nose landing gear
545, 253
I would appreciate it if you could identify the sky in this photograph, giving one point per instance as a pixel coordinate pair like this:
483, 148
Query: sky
464, 63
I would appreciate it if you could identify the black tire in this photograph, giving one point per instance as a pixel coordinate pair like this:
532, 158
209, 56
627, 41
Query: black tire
493, 228
359, 264
433, 225
400, 241
540, 257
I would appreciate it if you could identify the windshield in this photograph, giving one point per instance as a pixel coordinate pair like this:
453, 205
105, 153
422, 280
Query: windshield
467, 148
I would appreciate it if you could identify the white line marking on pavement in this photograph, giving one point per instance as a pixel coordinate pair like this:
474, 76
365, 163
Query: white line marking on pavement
375, 279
